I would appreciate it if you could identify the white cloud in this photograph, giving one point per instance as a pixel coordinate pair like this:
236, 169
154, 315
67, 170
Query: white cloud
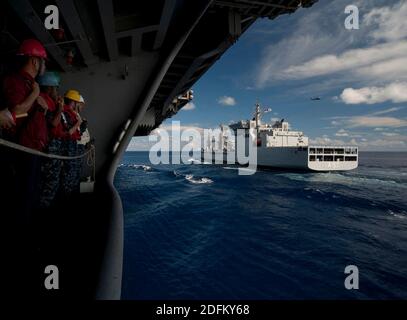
227, 101
321, 46
342, 133
390, 134
372, 121
361, 61
395, 92
391, 22
385, 111
189, 106
389, 70
314, 35
384, 143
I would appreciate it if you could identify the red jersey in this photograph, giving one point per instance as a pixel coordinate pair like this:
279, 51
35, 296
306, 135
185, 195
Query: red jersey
54, 132
70, 119
17, 87
30, 131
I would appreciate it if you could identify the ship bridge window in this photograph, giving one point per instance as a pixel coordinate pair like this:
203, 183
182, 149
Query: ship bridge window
328, 158
338, 158
351, 150
328, 151
320, 150
339, 151
351, 158
312, 158
312, 150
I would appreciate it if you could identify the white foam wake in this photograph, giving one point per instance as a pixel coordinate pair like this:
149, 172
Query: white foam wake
400, 215
137, 166
191, 179
195, 180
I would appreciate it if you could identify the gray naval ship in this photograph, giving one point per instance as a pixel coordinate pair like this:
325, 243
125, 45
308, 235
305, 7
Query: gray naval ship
277, 146
135, 62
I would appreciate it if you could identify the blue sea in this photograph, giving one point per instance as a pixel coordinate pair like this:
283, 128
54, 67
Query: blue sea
198, 231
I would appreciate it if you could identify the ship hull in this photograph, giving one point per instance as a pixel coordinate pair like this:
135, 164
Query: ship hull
290, 158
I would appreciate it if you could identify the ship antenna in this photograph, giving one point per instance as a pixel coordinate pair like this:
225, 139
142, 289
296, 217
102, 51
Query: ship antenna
257, 114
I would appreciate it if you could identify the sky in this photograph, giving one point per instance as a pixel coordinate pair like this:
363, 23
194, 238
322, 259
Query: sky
359, 74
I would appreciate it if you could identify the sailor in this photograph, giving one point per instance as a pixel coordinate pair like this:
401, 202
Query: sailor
21, 95
84, 140
20, 171
51, 168
72, 121
85, 136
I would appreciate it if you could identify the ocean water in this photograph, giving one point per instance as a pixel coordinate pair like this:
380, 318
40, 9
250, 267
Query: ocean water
204, 232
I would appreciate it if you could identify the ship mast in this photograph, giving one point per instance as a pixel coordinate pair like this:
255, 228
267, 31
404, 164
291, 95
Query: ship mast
257, 116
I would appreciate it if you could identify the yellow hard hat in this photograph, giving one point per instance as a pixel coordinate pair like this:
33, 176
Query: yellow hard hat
73, 95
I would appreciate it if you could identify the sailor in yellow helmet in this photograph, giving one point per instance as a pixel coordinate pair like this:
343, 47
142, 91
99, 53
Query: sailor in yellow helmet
72, 123
71, 117
73, 95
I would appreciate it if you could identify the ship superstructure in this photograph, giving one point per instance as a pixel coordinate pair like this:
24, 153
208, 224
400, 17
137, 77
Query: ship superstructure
278, 146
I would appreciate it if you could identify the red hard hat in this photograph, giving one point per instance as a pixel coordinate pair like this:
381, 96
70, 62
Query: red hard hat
32, 48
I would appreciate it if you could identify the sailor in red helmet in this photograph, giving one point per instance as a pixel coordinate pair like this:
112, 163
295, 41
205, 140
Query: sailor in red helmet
22, 101
20, 89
